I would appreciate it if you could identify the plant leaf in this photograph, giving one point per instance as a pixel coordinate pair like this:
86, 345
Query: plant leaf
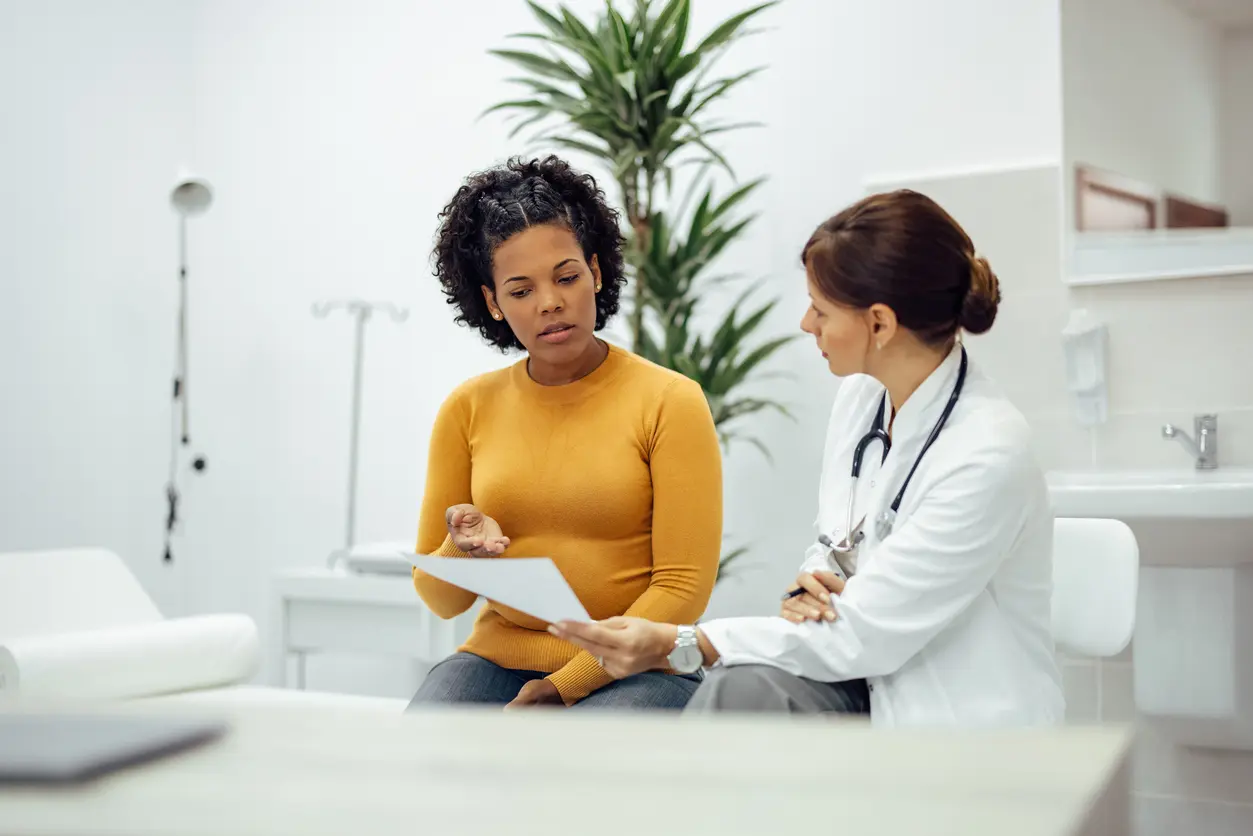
727, 30
538, 64
550, 22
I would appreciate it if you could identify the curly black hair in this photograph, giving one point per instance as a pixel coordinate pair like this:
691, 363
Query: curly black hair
495, 204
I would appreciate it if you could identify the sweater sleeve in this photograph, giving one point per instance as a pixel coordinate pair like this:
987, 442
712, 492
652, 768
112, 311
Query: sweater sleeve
686, 467
447, 483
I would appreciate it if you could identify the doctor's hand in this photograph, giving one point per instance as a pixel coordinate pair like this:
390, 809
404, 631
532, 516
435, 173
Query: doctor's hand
814, 604
475, 533
624, 646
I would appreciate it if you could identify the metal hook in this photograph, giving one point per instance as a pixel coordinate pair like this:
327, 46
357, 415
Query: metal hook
359, 307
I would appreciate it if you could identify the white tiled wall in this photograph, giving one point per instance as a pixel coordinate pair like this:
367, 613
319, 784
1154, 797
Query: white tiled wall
1176, 348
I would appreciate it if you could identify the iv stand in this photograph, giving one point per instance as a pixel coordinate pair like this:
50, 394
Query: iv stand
361, 310
179, 432
190, 197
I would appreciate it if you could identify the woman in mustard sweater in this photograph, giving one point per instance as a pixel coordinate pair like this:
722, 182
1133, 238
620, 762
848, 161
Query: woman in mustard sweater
580, 451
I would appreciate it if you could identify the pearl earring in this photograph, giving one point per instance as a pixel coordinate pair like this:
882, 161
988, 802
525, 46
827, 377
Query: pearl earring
496, 317
598, 287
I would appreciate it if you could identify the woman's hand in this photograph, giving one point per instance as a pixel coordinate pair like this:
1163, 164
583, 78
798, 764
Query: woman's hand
475, 533
624, 646
814, 604
536, 692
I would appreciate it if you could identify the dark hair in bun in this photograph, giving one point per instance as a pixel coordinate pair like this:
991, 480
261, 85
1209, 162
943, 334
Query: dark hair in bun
901, 249
982, 299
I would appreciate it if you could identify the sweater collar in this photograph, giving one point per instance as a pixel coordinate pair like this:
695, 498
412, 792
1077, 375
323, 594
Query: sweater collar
576, 390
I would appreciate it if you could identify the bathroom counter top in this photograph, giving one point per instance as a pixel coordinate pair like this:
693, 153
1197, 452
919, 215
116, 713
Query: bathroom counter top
314, 770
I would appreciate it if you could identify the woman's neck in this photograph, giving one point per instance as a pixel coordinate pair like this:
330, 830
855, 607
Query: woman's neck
906, 372
559, 374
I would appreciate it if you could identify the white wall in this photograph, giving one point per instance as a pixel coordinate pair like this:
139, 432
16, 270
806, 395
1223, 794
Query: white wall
336, 132
333, 134
950, 86
331, 173
1142, 93
1236, 137
847, 96
94, 125
371, 145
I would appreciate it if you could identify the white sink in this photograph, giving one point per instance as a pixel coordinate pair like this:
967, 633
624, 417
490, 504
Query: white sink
1225, 493
1194, 531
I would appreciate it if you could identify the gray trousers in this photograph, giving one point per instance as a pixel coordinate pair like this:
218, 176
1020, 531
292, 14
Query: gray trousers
760, 688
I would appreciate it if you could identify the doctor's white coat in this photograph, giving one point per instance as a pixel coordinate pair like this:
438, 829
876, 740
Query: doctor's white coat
948, 617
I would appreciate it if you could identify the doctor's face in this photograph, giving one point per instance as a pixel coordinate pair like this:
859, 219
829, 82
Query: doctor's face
842, 333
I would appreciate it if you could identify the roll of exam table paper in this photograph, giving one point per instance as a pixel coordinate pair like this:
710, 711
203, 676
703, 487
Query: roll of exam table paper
164, 657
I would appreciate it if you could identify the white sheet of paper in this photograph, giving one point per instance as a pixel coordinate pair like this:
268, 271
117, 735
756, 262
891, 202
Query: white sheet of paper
533, 585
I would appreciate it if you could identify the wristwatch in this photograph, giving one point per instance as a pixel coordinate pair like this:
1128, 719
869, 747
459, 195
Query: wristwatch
686, 656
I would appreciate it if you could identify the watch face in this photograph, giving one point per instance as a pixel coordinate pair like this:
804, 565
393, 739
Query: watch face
686, 659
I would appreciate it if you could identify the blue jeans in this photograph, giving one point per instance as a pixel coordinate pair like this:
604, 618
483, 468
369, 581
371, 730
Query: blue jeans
466, 678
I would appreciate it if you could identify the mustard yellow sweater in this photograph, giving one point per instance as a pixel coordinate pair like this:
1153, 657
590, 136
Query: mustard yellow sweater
617, 477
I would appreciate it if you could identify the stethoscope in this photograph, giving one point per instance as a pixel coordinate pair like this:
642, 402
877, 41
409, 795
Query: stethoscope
886, 519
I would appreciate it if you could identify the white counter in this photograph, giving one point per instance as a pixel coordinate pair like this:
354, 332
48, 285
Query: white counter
333, 611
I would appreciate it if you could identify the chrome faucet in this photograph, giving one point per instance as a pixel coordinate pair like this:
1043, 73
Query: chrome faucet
1204, 450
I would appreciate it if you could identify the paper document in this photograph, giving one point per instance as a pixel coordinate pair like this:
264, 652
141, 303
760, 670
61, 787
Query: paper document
533, 585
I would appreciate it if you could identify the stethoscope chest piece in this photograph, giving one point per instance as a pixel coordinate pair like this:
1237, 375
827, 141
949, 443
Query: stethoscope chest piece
883, 524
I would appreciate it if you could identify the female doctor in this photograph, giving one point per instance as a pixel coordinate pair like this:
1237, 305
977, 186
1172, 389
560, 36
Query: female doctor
931, 505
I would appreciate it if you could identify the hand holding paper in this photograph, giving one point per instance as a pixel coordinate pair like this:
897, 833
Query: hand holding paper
533, 585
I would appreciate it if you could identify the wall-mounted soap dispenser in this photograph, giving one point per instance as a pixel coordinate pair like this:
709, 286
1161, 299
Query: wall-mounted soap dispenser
1085, 341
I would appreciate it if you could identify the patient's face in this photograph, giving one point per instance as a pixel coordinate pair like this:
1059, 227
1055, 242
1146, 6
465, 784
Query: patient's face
842, 333
546, 291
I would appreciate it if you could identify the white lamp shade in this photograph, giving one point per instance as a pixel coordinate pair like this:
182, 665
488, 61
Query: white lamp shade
191, 196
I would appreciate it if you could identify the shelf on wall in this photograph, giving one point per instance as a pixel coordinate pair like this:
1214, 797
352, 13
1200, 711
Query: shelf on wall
1148, 255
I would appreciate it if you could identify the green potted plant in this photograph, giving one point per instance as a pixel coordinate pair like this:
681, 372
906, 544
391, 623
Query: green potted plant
632, 93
